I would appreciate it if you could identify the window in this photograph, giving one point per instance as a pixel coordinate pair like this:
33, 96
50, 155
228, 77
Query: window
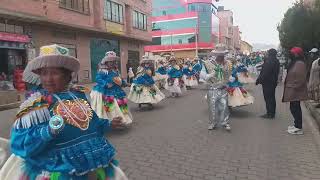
164, 13
139, 20
113, 12
156, 41
180, 41
81, 6
2, 27
178, 24
11, 27
18, 29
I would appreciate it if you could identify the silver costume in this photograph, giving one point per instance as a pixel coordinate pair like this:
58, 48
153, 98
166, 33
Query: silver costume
217, 97
218, 106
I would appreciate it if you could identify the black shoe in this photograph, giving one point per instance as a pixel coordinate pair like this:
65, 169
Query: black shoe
267, 116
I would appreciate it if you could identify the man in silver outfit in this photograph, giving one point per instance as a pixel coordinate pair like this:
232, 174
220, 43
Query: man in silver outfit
217, 96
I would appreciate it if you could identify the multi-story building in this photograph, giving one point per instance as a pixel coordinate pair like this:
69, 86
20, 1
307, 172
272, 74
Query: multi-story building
236, 38
183, 27
88, 28
229, 34
226, 27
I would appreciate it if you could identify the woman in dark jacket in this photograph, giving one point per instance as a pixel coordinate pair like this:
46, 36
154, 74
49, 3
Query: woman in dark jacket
295, 88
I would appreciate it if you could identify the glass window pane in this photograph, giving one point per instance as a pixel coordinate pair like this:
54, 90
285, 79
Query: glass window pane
68, 4
140, 21
80, 5
108, 10
114, 12
86, 6
121, 14
144, 22
18, 29
2, 27
135, 15
9, 28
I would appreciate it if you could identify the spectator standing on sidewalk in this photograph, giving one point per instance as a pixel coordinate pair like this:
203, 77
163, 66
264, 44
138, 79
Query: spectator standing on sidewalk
314, 79
295, 88
268, 78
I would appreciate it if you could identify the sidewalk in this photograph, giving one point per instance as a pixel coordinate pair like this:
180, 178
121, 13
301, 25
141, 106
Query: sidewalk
10, 99
315, 112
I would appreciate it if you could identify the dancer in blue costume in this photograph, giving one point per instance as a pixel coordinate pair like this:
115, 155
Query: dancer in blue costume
237, 95
161, 74
189, 74
143, 89
243, 74
107, 97
56, 134
175, 83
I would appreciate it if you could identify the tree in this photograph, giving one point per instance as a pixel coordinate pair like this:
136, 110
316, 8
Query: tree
300, 27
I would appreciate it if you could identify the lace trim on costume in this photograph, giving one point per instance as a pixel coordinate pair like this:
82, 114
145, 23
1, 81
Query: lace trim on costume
33, 111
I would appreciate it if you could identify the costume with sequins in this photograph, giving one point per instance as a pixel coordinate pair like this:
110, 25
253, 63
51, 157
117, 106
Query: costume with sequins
108, 99
143, 89
175, 82
78, 151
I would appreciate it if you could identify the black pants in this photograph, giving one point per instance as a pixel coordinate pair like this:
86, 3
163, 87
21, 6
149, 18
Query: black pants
296, 112
269, 93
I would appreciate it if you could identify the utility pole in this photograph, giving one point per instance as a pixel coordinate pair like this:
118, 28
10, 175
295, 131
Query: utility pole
196, 37
171, 45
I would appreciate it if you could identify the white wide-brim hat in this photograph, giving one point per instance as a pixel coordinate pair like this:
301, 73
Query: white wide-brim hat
110, 57
146, 59
220, 50
50, 56
313, 50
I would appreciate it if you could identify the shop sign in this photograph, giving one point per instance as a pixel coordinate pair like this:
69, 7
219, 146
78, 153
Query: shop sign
114, 28
14, 37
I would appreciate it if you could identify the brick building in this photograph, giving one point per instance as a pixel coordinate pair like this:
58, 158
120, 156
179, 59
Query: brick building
183, 27
88, 28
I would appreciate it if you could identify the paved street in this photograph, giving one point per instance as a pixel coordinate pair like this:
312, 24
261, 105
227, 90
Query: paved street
172, 142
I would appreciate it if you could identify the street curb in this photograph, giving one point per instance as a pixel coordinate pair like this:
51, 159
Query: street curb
9, 106
312, 122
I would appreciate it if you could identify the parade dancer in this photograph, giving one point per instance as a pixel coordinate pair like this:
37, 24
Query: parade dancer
189, 74
107, 97
243, 74
161, 75
175, 83
143, 90
217, 96
237, 95
56, 134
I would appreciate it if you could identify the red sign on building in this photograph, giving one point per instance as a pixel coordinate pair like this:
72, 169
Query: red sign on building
14, 37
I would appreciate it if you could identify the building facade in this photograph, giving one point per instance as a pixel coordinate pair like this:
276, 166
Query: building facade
88, 28
185, 28
246, 48
230, 34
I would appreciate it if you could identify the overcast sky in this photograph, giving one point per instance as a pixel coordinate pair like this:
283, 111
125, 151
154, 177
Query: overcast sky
258, 19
